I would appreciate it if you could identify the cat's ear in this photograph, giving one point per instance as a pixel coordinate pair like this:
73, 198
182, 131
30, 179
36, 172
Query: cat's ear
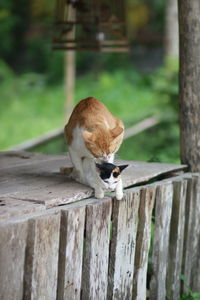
88, 136
122, 167
116, 131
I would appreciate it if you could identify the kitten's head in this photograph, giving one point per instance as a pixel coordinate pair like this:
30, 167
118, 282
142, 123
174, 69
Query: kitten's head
110, 174
103, 142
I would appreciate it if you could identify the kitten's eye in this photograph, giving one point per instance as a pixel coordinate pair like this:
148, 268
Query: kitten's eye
105, 180
115, 174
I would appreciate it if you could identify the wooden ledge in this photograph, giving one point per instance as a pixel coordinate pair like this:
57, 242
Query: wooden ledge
31, 182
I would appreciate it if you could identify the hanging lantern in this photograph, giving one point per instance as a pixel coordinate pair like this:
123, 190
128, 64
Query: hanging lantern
90, 25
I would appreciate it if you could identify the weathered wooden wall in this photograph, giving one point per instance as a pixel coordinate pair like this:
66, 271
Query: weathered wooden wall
100, 249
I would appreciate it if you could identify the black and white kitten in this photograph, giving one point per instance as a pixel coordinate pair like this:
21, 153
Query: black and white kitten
110, 175
104, 176
101, 177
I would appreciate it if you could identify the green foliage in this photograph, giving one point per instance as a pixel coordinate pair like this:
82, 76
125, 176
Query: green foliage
30, 106
123, 91
14, 21
189, 295
164, 82
158, 15
159, 144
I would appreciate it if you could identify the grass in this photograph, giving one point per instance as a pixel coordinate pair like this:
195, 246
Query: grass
30, 107
153, 145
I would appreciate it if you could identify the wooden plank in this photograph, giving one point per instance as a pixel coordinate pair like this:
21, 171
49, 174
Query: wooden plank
195, 272
163, 210
141, 172
71, 253
195, 285
122, 249
54, 195
192, 232
41, 264
143, 242
12, 255
10, 208
12, 159
37, 178
176, 239
31, 176
188, 236
96, 254
47, 167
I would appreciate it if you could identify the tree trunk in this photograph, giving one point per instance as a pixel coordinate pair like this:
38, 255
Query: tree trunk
189, 24
171, 29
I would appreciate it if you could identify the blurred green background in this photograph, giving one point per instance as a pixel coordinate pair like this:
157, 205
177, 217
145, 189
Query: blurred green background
136, 85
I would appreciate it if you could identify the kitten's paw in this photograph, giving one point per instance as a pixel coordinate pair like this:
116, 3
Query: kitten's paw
119, 195
99, 194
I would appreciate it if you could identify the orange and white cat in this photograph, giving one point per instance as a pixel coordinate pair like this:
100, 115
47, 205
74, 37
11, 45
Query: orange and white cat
92, 132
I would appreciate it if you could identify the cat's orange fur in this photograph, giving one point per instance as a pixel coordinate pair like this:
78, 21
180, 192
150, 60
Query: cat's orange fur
102, 132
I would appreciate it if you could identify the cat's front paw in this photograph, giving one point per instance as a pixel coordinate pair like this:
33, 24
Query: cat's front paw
119, 195
99, 194
119, 190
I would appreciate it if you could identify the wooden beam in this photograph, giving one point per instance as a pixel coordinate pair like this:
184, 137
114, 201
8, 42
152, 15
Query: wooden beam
189, 35
140, 127
58, 133
41, 140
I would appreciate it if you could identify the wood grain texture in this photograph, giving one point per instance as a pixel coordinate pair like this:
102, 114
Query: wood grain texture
195, 273
143, 242
174, 269
192, 229
189, 30
36, 178
163, 210
12, 208
41, 263
71, 253
123, 243
96, 250
12, 256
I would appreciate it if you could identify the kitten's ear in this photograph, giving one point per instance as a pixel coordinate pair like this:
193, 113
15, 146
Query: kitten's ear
122, 167
116, 131
88, 136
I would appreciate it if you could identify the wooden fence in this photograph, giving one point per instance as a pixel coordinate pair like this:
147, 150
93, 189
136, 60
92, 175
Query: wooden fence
136, 248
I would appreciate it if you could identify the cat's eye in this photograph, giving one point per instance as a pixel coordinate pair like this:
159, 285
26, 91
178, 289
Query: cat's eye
115, 174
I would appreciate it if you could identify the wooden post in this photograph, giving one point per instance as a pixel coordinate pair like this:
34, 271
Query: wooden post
70, 69
189, 30
171, 29
69, 81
